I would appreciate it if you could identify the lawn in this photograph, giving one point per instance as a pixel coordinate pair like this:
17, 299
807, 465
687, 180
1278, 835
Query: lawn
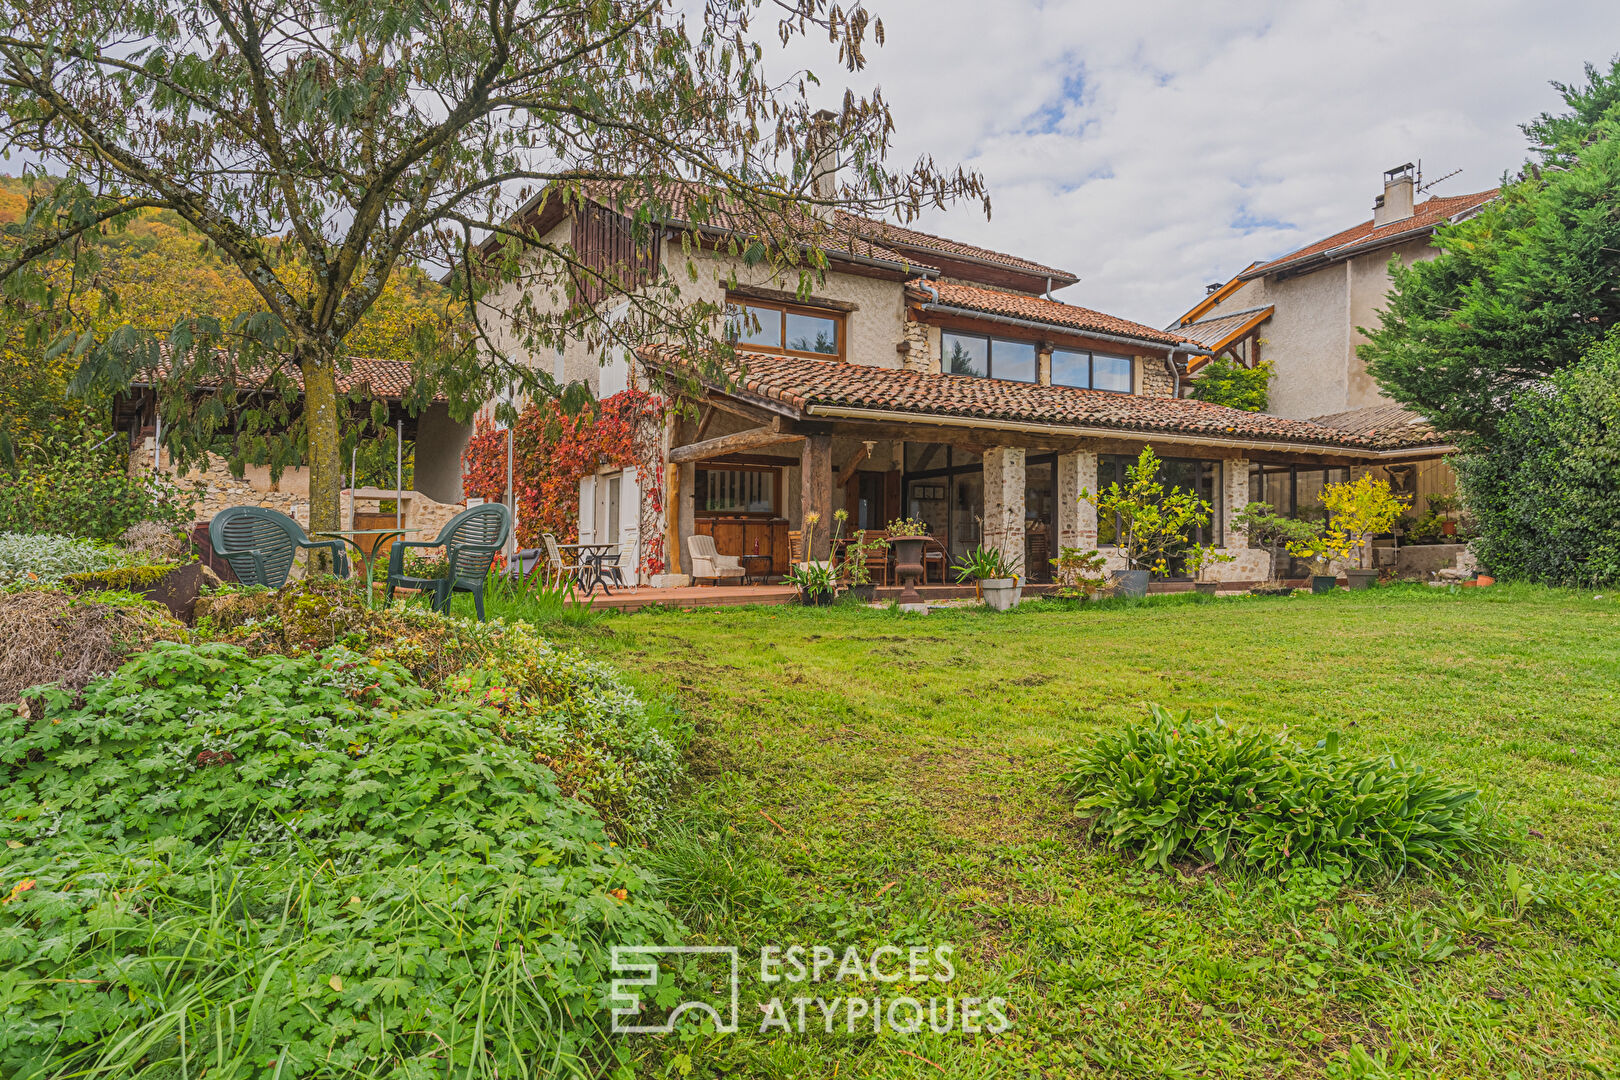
861, 777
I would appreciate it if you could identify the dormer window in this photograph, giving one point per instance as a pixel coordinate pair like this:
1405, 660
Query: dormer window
785, 328
988, 358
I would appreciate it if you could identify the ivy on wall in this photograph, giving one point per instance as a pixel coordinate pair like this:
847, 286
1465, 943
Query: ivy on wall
554, 451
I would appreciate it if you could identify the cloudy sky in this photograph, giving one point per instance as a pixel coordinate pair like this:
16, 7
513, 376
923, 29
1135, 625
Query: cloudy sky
1151, 147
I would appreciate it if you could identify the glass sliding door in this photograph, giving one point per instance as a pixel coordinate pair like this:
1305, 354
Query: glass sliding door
1040, 518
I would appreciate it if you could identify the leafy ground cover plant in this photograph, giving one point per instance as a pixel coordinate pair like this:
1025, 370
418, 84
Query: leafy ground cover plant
1178, 788
65, 640
297, 867
569, 714
44, 558
579, 719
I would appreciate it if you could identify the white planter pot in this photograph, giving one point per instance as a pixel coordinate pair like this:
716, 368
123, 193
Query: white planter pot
1002, 594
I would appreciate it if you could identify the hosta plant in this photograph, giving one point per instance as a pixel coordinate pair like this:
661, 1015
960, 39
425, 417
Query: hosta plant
1177, 788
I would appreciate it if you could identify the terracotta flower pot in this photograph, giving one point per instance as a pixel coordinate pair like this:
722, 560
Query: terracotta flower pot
1484, 579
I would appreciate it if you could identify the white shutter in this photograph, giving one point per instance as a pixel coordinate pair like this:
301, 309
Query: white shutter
587, 509
630, 521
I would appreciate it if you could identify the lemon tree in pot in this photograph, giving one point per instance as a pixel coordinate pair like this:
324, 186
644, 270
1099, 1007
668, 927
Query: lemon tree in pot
995, 574
1320, 552
1356, 510
1153, 522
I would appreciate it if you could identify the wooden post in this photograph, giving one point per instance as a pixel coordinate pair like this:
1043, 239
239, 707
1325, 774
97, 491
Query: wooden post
815, 489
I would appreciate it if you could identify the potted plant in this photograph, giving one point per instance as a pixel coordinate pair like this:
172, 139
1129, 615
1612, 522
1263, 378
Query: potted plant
1441, 508
1079, 573
1153, 521
1269, 530
1357, 510
996, 575
907, 536
816, 581
1320, 552
1199, 558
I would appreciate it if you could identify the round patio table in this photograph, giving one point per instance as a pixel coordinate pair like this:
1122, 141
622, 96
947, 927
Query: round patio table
592, 558
367, 557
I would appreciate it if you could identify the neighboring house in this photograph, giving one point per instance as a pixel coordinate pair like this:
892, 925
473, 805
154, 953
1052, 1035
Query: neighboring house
928, 378
434, 495
1302, 312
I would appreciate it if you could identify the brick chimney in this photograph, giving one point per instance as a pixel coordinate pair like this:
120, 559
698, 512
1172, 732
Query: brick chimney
1395, 204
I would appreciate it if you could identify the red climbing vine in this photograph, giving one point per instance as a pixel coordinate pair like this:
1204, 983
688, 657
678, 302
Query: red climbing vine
554, 451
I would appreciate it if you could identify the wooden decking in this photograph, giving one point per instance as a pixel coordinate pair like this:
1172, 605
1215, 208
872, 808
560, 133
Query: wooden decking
695, 596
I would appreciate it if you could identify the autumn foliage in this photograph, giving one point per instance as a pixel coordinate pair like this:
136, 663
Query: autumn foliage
554, 451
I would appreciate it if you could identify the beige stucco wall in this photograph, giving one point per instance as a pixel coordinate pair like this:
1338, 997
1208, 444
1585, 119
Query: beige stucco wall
1311, 338
872, 330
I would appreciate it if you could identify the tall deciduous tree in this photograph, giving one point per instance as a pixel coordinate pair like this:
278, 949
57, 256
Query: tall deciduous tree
1519, 291
320, 144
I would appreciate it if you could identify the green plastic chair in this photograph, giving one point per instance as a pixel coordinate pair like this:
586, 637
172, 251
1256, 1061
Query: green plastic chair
260, 545
471, 540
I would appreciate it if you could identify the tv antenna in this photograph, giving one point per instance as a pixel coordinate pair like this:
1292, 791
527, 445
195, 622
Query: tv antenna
1422, 187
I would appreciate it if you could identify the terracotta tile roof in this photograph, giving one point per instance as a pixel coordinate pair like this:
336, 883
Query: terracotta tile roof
1041, 310
689, 203
1387, 427
367, 375
891, 234
1426, 216
1218, 332
804, 384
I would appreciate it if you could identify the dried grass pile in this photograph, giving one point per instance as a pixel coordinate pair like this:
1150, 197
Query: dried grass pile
53, 637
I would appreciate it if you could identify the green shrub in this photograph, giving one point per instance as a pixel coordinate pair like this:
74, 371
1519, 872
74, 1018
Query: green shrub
1223, 381
1544, 495
43, 559
577, 718
78, 483
1176, 788
297, 868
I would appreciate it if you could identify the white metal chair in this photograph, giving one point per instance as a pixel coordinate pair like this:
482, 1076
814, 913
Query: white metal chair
557, 569
707, 562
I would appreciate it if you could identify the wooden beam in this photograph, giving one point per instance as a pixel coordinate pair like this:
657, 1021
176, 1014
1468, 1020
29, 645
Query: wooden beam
854, 463
751, 439
703, 423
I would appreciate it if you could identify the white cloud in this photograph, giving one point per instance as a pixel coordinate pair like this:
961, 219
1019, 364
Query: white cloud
1153, 147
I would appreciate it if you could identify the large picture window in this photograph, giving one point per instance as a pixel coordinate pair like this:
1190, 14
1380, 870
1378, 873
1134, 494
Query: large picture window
1091, 370
986, 357
1202, 478
783, 328
737, 491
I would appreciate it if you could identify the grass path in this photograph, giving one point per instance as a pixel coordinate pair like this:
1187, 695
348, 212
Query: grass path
864, 778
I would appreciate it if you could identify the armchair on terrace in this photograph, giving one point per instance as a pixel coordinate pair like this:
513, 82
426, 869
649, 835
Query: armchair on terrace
260, 545
707, 562
471, 540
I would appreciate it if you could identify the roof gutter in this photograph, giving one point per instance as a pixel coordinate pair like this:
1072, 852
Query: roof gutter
845, 413
969, 313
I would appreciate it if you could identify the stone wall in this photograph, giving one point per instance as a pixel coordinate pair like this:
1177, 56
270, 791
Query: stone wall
290, 494
1004, 500
1156, 380
916, 350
